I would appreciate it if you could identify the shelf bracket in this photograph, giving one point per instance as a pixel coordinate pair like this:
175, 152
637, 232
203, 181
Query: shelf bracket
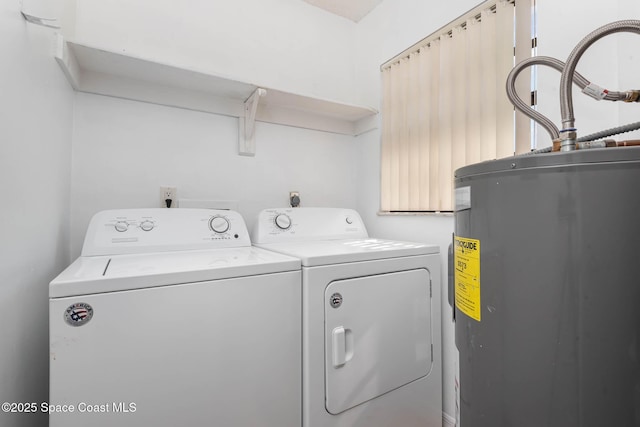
247, 124
68, 62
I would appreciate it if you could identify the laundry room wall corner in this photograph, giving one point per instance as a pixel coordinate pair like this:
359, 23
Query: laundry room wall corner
36, 111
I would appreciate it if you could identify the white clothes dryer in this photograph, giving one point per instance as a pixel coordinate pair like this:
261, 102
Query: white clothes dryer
171, 318
370, 320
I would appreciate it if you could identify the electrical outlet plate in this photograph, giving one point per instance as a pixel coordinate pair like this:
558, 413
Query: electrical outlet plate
170, 193
294, 196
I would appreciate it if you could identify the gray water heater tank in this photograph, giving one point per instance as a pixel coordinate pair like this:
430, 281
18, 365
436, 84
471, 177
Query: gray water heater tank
547, 290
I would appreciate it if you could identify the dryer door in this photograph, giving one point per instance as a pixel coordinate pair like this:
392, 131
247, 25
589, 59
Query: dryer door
377, 336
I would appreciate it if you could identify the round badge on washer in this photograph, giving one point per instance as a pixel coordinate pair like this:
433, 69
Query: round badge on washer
78, 314
335, 300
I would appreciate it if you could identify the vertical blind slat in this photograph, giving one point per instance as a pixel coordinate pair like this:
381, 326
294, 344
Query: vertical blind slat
396, 118
460, 94
425, 105
504, 64
523, 84
446, 113
488, 88
414, 132
474, 100
385, 157
434, 126
403, 158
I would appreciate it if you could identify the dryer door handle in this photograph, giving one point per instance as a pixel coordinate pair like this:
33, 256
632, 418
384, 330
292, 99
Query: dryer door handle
342, 346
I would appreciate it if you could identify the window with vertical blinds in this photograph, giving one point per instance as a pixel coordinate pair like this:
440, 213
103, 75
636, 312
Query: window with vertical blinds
445, 105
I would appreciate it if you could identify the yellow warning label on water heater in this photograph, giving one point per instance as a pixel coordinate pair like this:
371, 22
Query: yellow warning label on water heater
466, 262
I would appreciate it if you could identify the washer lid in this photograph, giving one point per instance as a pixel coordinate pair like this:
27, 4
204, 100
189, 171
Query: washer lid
90, 275
325, 252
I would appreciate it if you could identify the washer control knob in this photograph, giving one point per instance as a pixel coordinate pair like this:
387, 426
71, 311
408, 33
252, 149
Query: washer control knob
147, 225
219, 224
283, 222
122, 226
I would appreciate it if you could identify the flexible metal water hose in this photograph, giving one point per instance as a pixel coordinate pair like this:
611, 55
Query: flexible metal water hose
566, 100
610, 132
522, 106
542, 120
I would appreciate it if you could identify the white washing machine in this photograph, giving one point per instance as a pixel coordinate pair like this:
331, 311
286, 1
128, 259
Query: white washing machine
170, 318
370, 320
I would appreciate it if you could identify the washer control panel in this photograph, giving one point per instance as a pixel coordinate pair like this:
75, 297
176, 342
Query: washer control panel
161, 230
287, 224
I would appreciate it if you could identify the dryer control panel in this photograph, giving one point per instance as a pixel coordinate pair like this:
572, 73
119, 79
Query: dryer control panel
290, 224
127, 231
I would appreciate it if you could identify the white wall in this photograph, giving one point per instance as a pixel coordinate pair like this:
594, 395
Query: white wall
287, 45
612, 62
284, 44
35, 153
395, 25
124, 150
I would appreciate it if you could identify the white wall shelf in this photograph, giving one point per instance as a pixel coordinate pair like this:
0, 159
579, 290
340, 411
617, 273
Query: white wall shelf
103, 72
